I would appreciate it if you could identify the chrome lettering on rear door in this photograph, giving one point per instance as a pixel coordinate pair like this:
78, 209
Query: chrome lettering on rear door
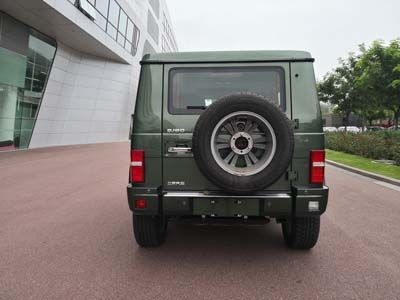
175, 130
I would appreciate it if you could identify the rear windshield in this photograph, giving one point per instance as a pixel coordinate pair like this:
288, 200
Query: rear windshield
191, 90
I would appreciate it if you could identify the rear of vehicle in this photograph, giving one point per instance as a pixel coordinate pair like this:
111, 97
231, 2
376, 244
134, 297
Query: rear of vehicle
329, 129
227, 136
352, 129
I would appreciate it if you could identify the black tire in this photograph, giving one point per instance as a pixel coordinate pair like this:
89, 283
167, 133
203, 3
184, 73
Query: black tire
149, 231
301, 233
202, 143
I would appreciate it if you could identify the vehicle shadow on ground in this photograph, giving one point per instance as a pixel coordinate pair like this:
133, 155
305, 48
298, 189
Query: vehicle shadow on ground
215, 243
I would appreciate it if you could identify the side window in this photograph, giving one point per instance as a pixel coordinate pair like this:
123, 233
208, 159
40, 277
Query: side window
191, 90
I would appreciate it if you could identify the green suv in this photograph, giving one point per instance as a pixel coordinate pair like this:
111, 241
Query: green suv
227, 137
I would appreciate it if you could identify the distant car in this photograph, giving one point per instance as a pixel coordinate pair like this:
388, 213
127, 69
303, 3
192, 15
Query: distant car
375, 128
393, 128
352, 129
329, 129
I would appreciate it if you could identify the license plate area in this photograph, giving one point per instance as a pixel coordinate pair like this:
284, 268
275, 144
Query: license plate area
223, 207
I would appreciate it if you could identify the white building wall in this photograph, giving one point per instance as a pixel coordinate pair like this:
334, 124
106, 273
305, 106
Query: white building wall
87, 100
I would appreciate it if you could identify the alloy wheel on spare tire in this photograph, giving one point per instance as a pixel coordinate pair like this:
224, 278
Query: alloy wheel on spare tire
243, 143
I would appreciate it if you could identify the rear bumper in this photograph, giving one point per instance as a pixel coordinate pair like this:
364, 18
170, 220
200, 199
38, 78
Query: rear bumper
301, 202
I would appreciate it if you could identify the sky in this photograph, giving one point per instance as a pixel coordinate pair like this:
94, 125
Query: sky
328, 29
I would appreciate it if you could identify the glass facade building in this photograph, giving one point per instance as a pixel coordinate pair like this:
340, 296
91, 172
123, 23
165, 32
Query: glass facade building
69, 69
25, 59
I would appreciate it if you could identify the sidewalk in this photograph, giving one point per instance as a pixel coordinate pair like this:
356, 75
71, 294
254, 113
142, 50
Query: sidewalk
365, 173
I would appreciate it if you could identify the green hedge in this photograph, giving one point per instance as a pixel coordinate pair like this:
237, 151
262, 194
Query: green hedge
375, 145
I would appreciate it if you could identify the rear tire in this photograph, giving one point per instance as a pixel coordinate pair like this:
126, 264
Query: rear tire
149, 231
301, 233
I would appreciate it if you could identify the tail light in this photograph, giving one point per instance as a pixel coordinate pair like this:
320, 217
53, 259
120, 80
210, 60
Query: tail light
317, 168
137, 166
140, 203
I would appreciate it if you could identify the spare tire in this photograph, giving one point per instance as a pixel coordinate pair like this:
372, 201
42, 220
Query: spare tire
243, 143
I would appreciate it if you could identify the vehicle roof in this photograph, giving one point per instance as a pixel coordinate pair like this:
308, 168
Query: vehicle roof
227, 56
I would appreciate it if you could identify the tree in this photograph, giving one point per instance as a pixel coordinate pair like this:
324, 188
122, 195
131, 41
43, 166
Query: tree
339, 88
380, 77
371, 113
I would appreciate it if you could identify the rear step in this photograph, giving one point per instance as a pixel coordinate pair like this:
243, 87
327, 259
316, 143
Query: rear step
215, 220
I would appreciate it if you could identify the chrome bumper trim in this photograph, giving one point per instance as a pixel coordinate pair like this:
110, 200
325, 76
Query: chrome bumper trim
217, 195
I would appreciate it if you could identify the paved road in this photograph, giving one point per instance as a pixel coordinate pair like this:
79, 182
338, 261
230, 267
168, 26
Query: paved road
65, 233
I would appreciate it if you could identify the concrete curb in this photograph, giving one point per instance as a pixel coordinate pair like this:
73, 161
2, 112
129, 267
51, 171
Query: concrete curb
365, 173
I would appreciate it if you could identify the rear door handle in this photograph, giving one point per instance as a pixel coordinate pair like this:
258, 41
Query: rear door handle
179, 150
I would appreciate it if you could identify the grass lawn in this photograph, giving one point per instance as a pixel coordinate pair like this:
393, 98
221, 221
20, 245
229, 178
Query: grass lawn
363, 164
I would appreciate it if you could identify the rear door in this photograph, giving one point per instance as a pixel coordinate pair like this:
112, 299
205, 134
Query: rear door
188, 89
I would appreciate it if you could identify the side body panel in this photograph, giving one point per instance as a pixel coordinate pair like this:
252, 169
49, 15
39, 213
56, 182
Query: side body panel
306, 109
146, 134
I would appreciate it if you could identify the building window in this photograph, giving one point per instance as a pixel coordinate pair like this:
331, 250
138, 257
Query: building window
169, 35
111, 18
112, 31
26, 60
152, 27
123, 18
113, 13
101, 22
102, 7
155, 4
164, 45
136, 36
129, 31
